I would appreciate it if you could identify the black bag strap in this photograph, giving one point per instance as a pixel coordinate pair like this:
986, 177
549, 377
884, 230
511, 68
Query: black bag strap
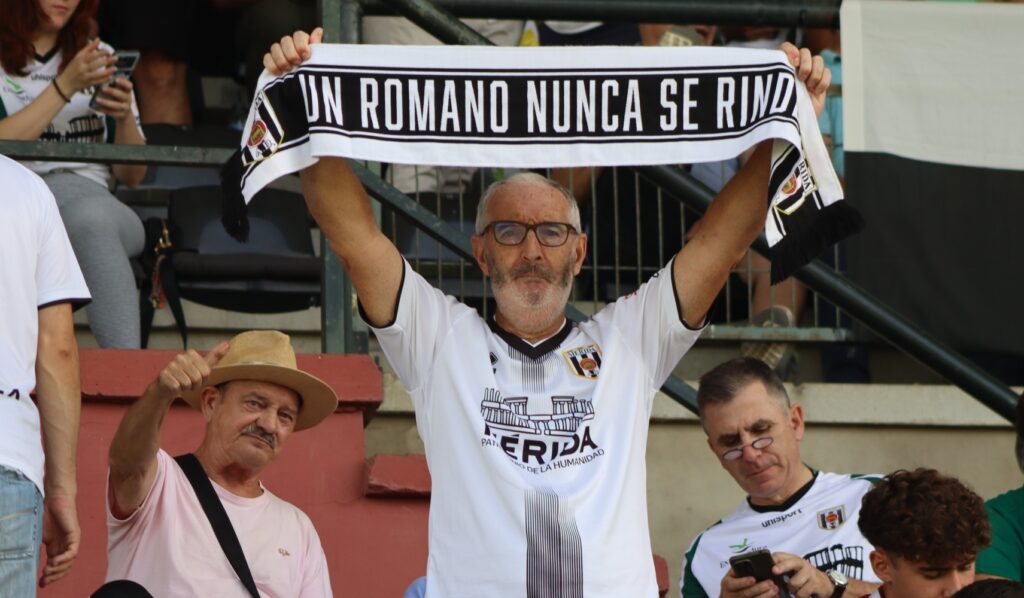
218, 517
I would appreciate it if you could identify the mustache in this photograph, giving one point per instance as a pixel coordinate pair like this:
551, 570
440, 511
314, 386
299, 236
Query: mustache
254, 430
537, 270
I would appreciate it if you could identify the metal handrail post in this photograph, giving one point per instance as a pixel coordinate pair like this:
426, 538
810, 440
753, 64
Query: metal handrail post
859, 304
435, 22
341, 21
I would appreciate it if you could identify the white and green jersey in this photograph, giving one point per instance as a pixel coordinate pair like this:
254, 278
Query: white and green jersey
75, 123
819, 523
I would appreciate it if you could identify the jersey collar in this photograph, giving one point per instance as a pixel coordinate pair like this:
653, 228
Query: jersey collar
532, 351
48, 56
792, 500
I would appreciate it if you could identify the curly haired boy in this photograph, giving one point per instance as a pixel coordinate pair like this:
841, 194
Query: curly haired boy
927, 530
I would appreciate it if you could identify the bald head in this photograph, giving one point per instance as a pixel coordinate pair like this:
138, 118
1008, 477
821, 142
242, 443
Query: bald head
525, 179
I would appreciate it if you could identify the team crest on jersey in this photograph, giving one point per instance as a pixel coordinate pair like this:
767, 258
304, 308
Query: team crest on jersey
584, 362
265, 134
832, 518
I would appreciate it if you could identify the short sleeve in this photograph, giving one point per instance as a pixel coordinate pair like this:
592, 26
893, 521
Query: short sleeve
135, 524
650, 321
423, 318
1005, 556
58, 277
689, 586
316, 580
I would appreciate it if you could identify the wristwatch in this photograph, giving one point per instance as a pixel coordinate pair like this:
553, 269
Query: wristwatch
839, 583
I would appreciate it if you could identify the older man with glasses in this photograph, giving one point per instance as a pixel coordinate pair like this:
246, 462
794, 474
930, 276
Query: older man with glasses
806, 518
535, 427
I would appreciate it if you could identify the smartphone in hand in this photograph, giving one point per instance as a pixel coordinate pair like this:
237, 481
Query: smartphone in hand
758, 564
125, 65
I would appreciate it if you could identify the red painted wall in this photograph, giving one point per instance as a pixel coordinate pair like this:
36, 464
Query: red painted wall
374, 546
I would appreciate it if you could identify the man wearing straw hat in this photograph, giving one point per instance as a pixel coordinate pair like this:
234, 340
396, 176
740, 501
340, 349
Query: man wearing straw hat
252, 397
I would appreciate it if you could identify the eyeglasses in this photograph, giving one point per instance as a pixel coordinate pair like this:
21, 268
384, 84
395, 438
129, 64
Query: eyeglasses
758, 443
549, 234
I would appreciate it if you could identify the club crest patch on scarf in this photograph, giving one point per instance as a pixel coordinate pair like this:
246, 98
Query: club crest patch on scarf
265, 134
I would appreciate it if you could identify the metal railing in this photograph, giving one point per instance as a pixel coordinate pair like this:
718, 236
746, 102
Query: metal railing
855, 301
341, 21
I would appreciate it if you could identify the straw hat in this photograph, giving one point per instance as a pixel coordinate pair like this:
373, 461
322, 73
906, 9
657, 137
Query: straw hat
267, 356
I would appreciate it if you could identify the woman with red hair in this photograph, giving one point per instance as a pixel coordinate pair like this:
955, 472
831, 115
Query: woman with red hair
50, 70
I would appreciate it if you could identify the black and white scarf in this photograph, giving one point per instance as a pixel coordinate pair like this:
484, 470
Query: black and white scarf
553, 107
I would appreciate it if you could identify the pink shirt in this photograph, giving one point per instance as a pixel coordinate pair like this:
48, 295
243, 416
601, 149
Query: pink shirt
168, 546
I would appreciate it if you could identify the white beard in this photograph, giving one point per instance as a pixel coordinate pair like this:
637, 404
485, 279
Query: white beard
531, 310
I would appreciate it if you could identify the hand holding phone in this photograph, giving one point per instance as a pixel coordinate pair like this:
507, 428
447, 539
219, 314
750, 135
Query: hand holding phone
758, 564
124, 65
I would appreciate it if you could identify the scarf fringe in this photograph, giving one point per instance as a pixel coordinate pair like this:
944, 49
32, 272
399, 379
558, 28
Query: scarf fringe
234, 212
831, 225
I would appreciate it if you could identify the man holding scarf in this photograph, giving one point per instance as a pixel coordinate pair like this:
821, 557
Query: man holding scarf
535, 427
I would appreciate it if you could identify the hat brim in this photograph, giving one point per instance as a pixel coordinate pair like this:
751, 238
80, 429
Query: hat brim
318, 399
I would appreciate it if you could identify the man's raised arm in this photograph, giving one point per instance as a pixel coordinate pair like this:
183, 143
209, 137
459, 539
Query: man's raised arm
736, 217
137, 440
339, 204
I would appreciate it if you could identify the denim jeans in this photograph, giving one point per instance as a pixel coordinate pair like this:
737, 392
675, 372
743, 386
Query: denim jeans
21, 533
417, 589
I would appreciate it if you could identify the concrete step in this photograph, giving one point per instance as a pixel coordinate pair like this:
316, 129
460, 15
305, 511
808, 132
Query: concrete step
397, 476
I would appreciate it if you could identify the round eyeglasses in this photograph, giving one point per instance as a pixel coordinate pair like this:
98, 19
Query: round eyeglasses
549, 234
758, 443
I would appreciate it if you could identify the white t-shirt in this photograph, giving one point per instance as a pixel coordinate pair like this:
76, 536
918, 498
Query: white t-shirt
536, 453
168, 545
75, 123
39, 269
818, 523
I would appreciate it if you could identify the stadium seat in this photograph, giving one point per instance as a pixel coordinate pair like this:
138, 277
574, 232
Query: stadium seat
275, 271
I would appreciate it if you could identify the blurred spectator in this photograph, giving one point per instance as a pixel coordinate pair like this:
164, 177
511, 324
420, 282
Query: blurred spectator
1005, 557
826, 42
841, 361
927, 529
263, 22
50, 70
163, 34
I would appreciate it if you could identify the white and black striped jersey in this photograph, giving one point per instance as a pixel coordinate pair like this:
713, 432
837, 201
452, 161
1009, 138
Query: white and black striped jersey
536, 452
819, 523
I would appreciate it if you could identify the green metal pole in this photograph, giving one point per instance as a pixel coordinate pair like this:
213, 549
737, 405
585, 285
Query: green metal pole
862, 306
438, 23
341, 22
108, 153
805, 13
